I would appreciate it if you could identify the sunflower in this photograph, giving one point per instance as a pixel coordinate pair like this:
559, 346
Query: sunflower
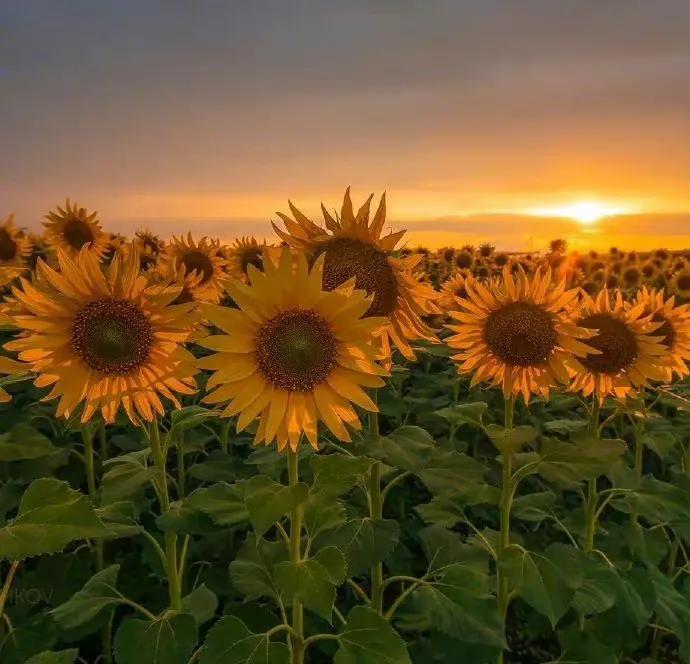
245, 251
201, 259
681, 284
293, 354
107, 340
72, 227
352, 247
628, 354
148, 243
452, 289
15, 247
517, 332
674, 332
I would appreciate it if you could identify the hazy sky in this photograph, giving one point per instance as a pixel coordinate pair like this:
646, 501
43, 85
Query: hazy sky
180, 113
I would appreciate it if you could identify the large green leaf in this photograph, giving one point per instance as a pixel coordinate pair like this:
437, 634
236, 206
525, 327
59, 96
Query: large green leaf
200, 603
223, 503
465, 413
539, 581
24, 442
252, 570
449, 472
268, 501
99, 593
230, 642
336, 474
168, 640
51, 515
407, 448
126, 475
312, 581
369, 639
363, 542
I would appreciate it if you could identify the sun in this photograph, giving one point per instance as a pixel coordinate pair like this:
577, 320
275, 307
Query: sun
586, 213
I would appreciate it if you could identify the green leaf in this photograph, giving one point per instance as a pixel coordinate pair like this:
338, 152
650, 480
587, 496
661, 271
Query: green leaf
336, 474
48, 657
584, 648
539, 582
252, 570
534, 507
363, 542
407, 448
51, 515
230, 642
183, 519
99, 593
508, 441
367, 638
672, 608
449, 471
24, 442
267, 501
224, 503
127, 476
119, 519
308, 581
200, 603
465, 413
447, 510
323, 512
565, 426
188, 418
167, 640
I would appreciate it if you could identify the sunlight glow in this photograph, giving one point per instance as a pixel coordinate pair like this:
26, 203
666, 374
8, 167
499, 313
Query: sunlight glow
584, 212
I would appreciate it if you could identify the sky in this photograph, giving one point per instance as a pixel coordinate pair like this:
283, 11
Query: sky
483, 120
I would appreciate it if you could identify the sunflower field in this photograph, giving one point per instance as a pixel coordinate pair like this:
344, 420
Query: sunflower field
335, 448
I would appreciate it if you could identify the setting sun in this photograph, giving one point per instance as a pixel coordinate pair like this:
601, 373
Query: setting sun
584, 212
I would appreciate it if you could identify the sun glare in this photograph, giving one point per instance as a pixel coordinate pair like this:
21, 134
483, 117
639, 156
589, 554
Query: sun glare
586, 213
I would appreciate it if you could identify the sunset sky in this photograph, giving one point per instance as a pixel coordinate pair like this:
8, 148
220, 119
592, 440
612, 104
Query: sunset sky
482, 119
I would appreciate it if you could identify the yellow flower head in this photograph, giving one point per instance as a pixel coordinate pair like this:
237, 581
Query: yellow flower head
71, 228
245, 251
15, 246
674, 331
517, 332
202, 261
103, 339
452, 289
354, 247
628, 352
292, 353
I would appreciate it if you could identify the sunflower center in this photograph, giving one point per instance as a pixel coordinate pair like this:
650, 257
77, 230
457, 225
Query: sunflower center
615, 341
112, 336
8, 247
666, 330
252, 256
296, 350
77, 233
684, 282
521, 334
347, 258
200, 262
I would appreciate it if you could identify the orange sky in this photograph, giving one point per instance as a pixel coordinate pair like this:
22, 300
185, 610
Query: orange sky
482, 121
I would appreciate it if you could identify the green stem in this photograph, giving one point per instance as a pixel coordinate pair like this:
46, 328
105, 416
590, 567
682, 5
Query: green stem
7, 585
505, 507
592, 501
159, 460
87, 437
297, 636
376, 512
639, 452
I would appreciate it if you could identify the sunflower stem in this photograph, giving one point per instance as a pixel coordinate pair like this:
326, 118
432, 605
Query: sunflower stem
507, 492
88, 436
639, 452
297, 635
173, 576
7, 585
375, 512
592, 495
